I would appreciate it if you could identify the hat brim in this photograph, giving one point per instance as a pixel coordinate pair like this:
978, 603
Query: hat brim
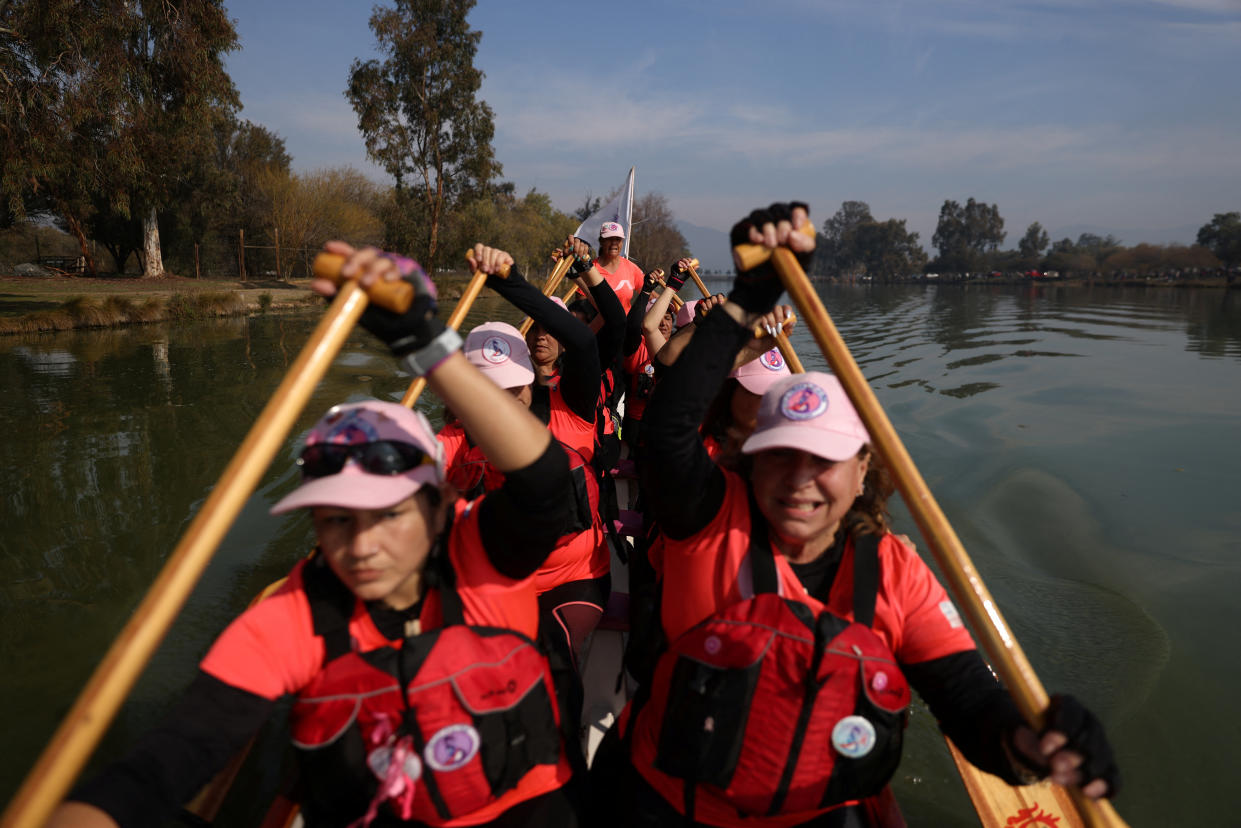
356, 490
509, 375
759, 383
830, 445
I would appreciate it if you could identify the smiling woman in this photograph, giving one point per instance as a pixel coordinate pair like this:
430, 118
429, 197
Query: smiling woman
795, 624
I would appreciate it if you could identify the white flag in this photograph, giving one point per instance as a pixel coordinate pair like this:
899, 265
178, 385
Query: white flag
618, 209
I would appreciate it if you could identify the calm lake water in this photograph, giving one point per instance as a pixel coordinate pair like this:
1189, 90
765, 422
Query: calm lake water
1085, 443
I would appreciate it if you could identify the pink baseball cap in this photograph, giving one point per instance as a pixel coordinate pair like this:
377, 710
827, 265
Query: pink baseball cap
556, 300
499, 351
757, 375
611, 230
686, 314
397, 444
809, 412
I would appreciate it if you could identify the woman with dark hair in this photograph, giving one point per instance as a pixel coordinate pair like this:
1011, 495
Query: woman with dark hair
407, 640
795, 623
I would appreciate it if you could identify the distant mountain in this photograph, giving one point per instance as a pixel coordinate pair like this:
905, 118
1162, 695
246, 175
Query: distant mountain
1185, 234
708, 245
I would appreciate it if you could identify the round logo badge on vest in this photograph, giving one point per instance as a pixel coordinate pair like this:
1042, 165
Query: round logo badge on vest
379, 759
713, 644
853, 736
452, 747
649, 370
496, 350
772, 360
804, 401
879, 682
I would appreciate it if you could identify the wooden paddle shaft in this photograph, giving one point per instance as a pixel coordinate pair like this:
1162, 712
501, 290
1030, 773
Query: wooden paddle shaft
472, 290
693, 273
551, 285
790, 356
71, 745
964, 582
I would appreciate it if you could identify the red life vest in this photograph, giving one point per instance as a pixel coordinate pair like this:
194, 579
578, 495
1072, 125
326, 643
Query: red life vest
432, 731
772, 708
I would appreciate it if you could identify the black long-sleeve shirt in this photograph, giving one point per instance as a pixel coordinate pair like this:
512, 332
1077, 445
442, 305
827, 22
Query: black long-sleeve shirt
580, 367
964, 696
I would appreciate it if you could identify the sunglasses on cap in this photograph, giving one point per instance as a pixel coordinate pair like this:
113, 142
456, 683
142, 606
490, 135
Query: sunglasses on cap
386, 457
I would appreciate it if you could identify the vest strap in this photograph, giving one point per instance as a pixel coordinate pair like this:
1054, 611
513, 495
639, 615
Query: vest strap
331, 606
764, 576
865, 576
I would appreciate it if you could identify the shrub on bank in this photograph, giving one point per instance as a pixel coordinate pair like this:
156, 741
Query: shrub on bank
87, 312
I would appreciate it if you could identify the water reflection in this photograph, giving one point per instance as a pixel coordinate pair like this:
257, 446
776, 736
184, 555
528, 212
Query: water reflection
1097, 495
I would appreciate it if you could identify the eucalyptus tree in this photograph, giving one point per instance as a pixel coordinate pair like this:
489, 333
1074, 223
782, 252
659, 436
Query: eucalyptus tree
965, 234
837, 252
1222, 236
1033, 243
420, 116
111, 107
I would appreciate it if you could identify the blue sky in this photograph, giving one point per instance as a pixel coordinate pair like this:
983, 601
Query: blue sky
1119, 116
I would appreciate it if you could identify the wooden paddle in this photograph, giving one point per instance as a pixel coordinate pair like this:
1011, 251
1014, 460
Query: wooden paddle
693, 264
551, 285
964, 582
472, 290
782, 342
84, 725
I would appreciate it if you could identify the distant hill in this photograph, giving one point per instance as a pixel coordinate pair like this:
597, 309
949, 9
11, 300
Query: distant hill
1185, 234
708, 245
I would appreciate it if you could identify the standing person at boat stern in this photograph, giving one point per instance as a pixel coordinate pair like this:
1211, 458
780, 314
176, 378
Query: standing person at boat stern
795, 622
408, 638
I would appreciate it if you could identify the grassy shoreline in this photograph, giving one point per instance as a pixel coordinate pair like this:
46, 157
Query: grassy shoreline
31, 305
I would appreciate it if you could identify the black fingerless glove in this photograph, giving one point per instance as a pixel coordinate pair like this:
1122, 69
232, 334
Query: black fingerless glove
758, 289
583, 265
649, 283
414, 329
1087, 737
676, 278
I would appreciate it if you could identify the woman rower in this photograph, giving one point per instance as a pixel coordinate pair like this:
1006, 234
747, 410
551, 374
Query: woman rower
796, 623
365, 632
649, 324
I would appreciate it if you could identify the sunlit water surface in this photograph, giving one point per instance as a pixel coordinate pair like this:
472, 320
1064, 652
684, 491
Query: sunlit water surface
1085, 443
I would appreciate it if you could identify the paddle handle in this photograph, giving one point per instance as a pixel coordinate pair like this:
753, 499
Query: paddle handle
472, 289
760, 331
964, 582
749, 256
81, 729
394, 296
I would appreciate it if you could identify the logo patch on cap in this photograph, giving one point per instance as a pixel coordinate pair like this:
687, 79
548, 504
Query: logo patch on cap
496, 350
609, 227
804, 401
452, 747
772, 360
346, 428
